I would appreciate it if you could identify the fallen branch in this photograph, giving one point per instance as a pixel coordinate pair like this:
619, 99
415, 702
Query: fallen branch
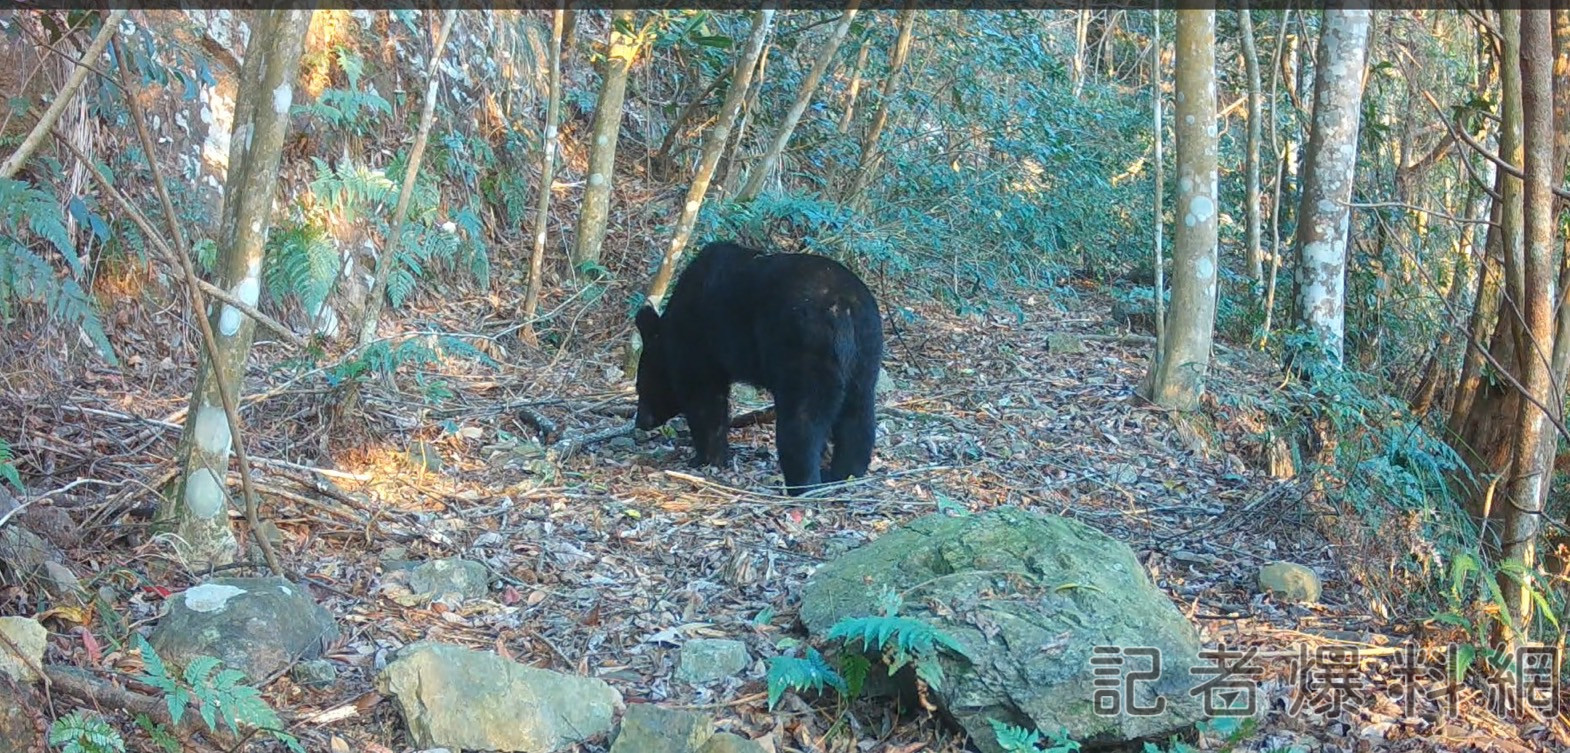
570, 446
46, 122
98, 693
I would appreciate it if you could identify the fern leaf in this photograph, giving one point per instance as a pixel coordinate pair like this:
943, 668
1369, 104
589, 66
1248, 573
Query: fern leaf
791, 673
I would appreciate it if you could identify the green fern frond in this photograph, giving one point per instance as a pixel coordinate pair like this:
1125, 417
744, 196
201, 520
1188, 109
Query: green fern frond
8, 468
791, 673
78, 732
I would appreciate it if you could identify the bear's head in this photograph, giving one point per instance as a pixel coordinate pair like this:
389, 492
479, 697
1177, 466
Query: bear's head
657, 401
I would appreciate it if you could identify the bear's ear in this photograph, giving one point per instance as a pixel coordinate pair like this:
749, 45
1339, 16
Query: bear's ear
648, 322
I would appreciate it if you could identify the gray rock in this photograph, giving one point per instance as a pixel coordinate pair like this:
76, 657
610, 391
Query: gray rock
454, 697
1063, 343
708, 659
1029, 598
885, 382
29, 638
255, 625
317, 673
1290, 581
647, 728
450, 577
725, 742
28, 557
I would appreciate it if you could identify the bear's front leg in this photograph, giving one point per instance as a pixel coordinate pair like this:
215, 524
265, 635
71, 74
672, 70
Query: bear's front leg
708, 416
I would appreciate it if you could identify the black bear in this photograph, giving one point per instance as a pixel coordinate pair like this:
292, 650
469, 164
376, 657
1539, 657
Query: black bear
801, 326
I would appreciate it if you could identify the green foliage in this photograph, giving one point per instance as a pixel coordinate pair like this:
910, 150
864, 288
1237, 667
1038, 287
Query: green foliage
160, 736
27, 277
350, 109
81, 732
900, 640
1019, 740
219, 692
301, 263
8, 468
792, 673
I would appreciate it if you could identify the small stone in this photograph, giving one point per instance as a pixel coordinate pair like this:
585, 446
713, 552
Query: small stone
1290, 581
439, 579
623, 443
317, 673
29, 637
1061, 343
885, 382
725, 742
709, 659
462, 699
647, 728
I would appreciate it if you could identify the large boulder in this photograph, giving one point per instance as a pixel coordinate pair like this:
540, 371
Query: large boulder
462, 699
1029, 597
255, 625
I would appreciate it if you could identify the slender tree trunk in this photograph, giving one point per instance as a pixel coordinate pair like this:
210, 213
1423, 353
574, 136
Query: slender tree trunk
1081, 36
855, 89
1280, 160
35, 138
1324, 216
542, 215
712, 143
662, 158
869, 145
729, 173
765, 165
1253, 256
1485, 312
389, 256
197, 508
1161, 181
1520, 520
1177, 375
594, 214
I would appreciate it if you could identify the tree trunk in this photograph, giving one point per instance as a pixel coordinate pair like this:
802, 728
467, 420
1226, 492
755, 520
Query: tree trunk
662, 158
1520, 520
765, 165
594, 213
1252, 254
1323, 215
1160, 287
542, 215
869, 145
1177, 375
1279, 153
1485, 312
855, 88
389, 256
196, 508
729, 172
712, 143
1081, 36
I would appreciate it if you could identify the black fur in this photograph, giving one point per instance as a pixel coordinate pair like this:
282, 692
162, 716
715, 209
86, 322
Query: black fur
801, 326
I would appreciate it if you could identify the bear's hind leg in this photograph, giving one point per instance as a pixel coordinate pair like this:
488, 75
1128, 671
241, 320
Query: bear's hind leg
801, 432
855, 430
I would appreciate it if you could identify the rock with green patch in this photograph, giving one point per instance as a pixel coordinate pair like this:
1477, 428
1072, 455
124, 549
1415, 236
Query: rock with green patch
1290, 581
450, 578
317, 673
28, 637
1063, 343
647, 728
1028, 598
709, 659
255, 625
462, 699
725, 742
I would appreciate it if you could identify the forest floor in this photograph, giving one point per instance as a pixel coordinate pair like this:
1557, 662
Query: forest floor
609, 560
